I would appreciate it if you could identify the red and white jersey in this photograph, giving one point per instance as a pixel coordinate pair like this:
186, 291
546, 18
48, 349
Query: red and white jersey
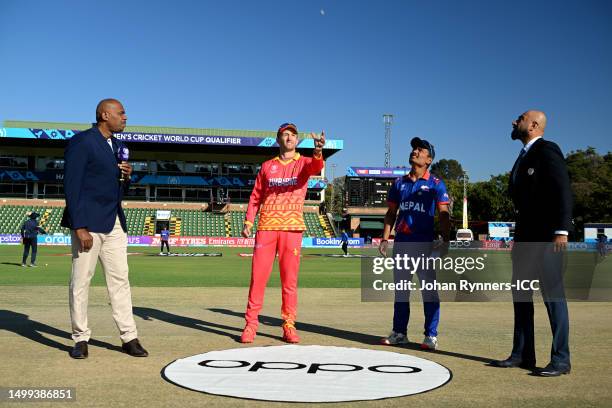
279, 192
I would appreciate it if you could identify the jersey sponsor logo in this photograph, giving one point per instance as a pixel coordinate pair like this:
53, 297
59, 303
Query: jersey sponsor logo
412, 206
282, 181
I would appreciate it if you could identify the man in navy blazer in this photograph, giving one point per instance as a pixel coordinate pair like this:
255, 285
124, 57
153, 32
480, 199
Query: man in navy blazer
541, 193
93, 213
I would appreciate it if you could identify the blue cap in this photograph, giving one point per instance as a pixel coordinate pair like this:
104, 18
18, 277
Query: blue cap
424, 144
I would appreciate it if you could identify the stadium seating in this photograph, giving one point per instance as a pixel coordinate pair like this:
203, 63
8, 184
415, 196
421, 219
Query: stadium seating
141, 221
313, 225
327, 228
12, 218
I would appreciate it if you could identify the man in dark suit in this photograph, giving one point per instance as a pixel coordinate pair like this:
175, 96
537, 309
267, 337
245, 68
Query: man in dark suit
93, 213
541, 192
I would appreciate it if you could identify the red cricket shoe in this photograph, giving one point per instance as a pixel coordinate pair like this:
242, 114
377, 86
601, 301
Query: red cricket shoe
290, 333
248, 334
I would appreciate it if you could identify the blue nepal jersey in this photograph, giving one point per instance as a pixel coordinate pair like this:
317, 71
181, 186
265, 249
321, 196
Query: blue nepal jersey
165, 234
417, 202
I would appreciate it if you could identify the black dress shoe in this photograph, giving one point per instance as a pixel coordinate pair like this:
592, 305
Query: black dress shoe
134, 349
553, 371
79, 350
512, 363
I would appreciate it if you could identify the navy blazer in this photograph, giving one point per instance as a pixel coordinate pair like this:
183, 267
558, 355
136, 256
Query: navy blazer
91, 183
541, 193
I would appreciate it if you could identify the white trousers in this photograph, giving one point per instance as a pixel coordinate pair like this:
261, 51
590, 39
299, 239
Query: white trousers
111, 249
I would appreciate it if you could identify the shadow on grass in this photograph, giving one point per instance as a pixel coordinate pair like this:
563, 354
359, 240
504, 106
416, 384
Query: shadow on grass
22, 325
191, 323
363, 338
10, 263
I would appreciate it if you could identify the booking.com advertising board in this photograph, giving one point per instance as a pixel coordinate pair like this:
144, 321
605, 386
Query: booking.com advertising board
307, 242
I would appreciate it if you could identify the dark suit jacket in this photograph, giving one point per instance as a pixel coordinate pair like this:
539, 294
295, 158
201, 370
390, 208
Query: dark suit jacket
91, 183
541, 194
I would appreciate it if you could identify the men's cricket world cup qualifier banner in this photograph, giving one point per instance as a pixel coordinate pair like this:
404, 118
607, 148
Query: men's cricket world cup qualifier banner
209, 140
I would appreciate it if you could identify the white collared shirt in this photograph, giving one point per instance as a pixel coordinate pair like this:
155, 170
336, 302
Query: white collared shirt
530, 143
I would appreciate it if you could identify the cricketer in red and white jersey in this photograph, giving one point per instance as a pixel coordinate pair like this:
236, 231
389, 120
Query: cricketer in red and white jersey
278, 196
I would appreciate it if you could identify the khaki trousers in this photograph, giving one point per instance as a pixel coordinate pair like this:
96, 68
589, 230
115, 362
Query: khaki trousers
111, 249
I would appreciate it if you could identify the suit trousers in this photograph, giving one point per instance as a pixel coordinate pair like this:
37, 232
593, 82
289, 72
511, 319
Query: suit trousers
27, 244
538, 261
111, 250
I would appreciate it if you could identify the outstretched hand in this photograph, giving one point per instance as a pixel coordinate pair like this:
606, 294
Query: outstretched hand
319, 142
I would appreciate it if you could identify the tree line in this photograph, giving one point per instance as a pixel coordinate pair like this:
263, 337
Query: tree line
590, 175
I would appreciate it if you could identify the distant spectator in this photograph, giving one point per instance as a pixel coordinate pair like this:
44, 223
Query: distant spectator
29, 236
344, 237
165, 236
602, 240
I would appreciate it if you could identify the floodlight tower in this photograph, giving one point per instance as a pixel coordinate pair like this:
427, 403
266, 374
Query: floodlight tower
388, 119
465, 203
333, 190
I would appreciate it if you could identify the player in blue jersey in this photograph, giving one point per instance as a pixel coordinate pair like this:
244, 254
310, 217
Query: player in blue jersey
165, 236
412, 201
344, 238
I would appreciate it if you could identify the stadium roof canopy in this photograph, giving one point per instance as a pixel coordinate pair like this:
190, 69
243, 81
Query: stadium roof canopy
149, 129
217, 144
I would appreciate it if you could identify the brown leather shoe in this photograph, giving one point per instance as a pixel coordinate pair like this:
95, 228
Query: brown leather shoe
134, 349
79, 351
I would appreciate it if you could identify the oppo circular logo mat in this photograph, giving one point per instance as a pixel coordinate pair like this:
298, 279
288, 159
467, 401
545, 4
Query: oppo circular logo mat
307, 373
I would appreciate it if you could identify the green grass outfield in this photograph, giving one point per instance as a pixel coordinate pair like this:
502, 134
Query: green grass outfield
175, 320
149, 270
232, 270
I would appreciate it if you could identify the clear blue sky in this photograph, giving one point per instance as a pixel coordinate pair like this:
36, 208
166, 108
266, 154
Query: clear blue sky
454, 72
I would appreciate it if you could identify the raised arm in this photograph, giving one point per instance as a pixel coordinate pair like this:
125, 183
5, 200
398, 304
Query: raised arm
317, 163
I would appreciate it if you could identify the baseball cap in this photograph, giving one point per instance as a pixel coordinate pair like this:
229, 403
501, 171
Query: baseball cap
286, 126
424, 144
